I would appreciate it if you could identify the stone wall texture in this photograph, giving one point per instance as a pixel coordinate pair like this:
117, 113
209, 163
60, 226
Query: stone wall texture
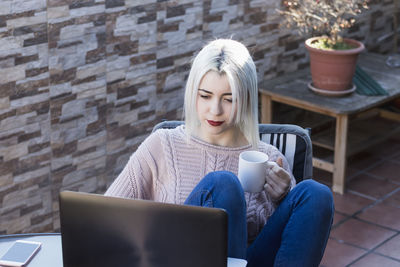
82, 83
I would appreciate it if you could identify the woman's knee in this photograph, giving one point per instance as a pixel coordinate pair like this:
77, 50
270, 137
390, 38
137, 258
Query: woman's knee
318, 193
224, 182
223, 179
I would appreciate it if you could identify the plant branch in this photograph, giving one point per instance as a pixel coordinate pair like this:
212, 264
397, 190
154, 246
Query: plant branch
321, 16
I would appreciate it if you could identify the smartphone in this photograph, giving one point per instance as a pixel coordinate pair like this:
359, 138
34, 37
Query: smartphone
20, 253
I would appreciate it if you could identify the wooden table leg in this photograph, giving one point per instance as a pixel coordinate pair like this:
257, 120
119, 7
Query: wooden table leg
339, 169
266, 109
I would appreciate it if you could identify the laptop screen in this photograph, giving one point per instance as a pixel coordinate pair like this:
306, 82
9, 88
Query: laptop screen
98, 231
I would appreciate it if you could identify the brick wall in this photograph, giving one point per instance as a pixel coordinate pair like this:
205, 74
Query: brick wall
82, 82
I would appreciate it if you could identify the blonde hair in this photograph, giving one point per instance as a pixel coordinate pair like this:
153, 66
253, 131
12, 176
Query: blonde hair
230, 58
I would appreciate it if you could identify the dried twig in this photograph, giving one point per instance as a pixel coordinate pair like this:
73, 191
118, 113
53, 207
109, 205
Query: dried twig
327, 17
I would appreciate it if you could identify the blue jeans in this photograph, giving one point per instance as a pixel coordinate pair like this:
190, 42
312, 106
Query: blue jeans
295, 235
223, 190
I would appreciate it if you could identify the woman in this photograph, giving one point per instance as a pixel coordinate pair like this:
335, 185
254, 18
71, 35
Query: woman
196, 164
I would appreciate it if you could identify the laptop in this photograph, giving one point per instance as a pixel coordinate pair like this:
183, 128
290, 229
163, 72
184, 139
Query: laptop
98, 230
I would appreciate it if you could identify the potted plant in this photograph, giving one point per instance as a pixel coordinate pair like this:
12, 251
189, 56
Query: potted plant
332, 57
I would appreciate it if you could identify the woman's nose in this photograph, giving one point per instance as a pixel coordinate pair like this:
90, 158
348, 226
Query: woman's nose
216, 108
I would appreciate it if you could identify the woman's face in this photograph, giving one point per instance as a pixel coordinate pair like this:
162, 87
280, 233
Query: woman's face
214, 107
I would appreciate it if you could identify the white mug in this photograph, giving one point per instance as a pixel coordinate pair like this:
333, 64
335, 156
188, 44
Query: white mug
252, 170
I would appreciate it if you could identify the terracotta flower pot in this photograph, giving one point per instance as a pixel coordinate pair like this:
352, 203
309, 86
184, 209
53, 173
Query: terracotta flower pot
333, 69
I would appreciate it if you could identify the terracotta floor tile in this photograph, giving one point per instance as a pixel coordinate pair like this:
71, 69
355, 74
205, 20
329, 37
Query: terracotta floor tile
388, 148
338, 218
350, 203
351, 173
391, 248
370, 186
373, 173
362, 160
325, 177
339, 254
383, 215
393, 200
374, 260
387, 169
361, 234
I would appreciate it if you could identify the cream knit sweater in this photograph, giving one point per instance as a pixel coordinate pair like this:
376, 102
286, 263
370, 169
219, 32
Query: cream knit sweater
166, 168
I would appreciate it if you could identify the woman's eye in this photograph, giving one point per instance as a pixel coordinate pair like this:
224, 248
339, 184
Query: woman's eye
205, 96
228, 100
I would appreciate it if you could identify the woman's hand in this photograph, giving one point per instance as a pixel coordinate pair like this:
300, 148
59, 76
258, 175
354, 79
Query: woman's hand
278, 181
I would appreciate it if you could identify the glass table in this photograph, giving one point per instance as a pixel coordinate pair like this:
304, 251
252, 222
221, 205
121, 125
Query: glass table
50, 253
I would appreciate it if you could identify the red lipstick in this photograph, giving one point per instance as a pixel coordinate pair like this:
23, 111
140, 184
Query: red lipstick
215, 123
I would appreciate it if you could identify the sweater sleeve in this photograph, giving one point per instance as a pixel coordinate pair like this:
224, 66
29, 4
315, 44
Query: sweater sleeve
137, 177
274, 154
